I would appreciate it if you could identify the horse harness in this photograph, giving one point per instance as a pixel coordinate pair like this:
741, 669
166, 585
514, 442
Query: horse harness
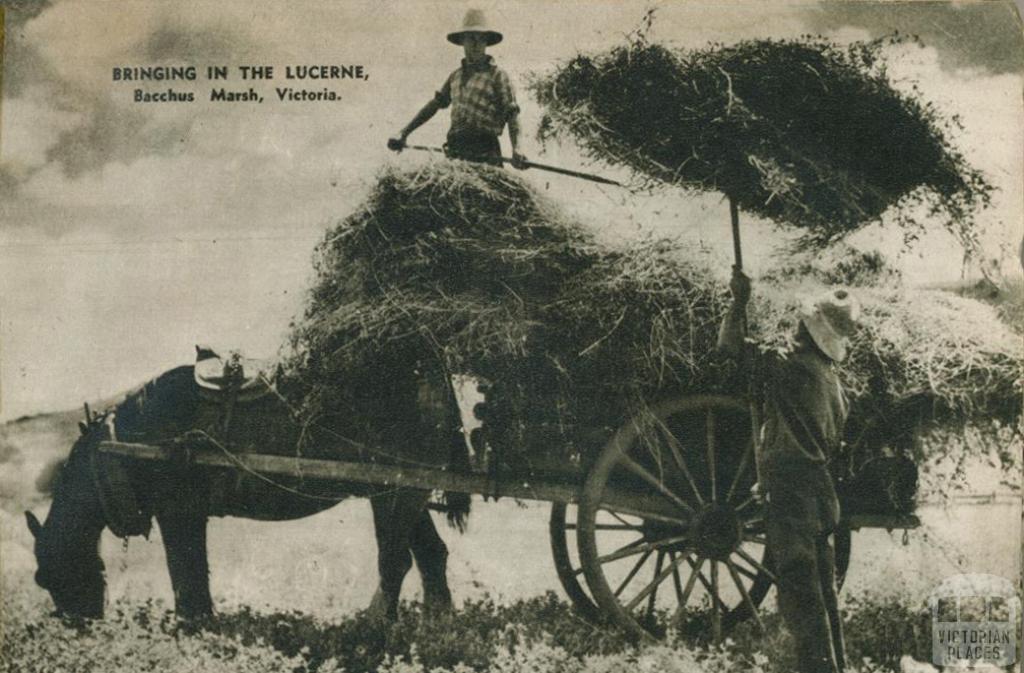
122, 509
223, 383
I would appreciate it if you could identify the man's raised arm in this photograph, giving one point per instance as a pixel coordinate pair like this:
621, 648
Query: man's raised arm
422, 117
731, 333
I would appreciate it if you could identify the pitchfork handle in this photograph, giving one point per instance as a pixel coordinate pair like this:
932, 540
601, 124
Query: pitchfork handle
737, 248
531, 164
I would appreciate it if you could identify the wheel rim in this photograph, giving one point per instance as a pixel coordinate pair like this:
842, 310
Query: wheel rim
700, 562
562, 528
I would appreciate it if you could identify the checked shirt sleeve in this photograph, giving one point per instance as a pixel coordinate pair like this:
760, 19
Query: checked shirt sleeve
443, 96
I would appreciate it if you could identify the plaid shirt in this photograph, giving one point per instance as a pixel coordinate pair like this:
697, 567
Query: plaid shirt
482, 95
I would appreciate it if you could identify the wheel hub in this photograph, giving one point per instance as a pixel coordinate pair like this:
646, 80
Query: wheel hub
717, 532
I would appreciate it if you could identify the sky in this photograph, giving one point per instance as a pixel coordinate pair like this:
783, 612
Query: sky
130, 231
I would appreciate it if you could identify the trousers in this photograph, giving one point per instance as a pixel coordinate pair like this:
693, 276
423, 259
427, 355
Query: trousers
801, 516
474, 146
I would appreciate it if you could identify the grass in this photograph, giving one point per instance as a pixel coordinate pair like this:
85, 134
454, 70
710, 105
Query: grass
538, 634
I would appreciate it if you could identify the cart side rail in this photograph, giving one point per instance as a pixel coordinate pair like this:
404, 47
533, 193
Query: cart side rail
647, 505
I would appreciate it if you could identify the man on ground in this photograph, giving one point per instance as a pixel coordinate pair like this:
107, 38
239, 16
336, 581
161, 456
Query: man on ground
805, 412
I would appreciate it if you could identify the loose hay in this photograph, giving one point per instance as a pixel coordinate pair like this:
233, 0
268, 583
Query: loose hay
802, 132
467, 267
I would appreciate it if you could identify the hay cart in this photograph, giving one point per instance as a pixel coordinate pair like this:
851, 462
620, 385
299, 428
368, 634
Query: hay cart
659, 521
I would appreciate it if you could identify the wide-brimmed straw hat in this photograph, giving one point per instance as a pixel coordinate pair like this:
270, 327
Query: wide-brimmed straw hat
475, 22
831, 320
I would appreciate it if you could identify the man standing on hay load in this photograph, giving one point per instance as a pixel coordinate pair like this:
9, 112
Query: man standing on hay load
481, 98
805, 412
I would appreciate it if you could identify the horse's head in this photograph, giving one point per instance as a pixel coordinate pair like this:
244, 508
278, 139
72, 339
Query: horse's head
67, 545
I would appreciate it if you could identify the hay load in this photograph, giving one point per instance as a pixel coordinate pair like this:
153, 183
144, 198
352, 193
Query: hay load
801, 132
469, 267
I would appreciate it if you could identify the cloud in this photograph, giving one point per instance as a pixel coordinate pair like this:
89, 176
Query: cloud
81, 145
26, 151
23, 62
984, 35
108, 127
113, 132
172, 40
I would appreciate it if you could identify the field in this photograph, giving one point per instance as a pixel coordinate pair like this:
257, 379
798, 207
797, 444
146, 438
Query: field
290, 594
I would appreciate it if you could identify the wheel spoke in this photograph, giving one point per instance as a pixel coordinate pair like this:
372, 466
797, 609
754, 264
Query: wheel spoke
706, 584
638, 547
756, 564
677, 454
632, 573
756, 539
644, 474
618, 517
653, 516
746, 596
677, 583
709, 441
750, 572
659, 577
740, 471
744, 571
691, 581
746, 503
622, 551
654, 594
716, 603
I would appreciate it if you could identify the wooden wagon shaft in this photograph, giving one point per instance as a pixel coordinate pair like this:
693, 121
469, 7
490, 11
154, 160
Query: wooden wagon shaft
887, 521
648, 506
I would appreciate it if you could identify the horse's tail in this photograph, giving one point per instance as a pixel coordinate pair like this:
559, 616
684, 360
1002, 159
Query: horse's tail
457, 507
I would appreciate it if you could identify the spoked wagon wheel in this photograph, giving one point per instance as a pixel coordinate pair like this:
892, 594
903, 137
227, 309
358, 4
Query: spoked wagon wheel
667, 526
562, 528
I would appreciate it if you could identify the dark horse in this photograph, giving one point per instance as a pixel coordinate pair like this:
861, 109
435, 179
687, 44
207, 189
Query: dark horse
423, 424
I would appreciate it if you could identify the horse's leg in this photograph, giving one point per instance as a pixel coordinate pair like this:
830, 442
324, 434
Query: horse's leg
394, 517
184, 536
431, 555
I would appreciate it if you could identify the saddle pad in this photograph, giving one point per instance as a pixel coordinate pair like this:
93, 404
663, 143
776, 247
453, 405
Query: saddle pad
216, 375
